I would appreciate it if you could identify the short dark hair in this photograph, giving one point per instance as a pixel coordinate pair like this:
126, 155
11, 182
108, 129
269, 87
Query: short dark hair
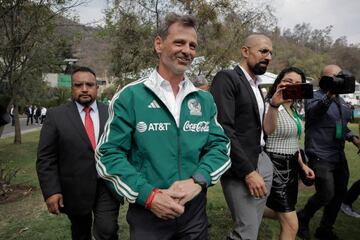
82, 69
281, 76
171, 18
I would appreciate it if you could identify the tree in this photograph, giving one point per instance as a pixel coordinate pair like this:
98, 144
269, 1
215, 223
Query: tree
27, 47
132, 47
222, 24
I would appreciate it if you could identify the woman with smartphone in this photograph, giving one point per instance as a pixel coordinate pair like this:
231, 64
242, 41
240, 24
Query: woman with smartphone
283, 126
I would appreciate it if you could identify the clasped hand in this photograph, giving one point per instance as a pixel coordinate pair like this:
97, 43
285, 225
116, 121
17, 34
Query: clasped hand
170, 203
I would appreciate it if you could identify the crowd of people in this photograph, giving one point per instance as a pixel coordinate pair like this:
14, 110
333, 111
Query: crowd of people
163, 142
34, 115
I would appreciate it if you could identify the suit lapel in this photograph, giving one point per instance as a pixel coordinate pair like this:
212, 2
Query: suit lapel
103, 115
246, 83
263, 102
79, 128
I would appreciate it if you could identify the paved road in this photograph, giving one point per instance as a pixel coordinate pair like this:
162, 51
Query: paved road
9, 130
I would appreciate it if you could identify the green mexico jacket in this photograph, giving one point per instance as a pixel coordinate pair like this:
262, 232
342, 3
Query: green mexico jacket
142, 148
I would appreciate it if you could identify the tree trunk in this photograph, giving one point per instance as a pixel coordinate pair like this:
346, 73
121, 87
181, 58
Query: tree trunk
17, 137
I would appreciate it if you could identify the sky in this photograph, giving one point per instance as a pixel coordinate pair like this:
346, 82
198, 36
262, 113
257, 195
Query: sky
342, 14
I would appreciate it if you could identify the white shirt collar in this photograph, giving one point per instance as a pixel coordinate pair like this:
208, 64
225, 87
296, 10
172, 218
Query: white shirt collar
172, 102
81, 107
165, 83
257, 81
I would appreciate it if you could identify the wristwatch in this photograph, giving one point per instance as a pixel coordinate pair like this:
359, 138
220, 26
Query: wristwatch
200, 179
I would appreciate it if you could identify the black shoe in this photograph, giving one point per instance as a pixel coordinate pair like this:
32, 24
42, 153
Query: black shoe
303, 231
325, 234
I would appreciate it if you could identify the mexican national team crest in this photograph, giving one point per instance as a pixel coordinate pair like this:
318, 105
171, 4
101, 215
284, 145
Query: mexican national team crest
194, 107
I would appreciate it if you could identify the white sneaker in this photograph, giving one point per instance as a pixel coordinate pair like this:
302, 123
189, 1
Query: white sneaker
348, 210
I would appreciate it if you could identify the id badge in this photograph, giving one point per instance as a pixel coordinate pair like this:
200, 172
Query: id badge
339, 130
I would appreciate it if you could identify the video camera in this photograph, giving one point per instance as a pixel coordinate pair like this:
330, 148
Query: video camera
342, 83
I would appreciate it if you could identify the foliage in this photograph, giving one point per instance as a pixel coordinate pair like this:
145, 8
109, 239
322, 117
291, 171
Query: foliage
132, 26
312, 49
222, 27
56, 96
132, 51
29, 47
6, 176
108, 93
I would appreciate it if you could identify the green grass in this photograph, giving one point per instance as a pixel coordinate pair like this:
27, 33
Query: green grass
28, 218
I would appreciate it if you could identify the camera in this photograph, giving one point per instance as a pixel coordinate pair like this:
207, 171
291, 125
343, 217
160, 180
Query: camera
298, 91
342, 83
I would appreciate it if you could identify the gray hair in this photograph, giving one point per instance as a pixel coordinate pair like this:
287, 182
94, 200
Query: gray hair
171, 18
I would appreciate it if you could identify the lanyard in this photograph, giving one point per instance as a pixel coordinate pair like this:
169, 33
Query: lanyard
339, 129
297, 120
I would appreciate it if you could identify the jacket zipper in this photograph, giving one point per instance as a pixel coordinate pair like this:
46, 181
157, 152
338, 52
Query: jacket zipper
179, 150
177, 127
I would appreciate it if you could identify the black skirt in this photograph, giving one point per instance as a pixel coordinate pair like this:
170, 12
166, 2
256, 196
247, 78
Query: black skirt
284, 190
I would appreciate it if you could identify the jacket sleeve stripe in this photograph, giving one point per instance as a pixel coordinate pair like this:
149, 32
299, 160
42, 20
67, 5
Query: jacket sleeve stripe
113, 178
120, 187
213, 174
111, 108
216, 178
220, 170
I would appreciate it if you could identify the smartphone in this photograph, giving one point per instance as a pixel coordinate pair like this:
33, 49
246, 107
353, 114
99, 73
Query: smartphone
298, 91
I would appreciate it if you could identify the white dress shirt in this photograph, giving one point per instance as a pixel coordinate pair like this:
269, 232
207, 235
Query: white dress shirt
172, 102
254, 83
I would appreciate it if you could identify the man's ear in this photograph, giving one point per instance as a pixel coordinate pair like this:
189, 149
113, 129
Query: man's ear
244, 51
158, 44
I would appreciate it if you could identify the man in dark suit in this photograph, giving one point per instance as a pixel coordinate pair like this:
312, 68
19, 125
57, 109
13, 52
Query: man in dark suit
327, 116
66, 163
29, 111
240, 111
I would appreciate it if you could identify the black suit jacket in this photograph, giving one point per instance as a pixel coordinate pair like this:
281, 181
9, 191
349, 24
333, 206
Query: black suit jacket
238, 114
66, 162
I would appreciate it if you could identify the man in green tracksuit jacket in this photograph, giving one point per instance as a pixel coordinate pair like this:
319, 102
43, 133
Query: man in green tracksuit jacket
162, 146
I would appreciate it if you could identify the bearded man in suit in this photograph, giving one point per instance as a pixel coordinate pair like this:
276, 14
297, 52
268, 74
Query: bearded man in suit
66, 163
241, 112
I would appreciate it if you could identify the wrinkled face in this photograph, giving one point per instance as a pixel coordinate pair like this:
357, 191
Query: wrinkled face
84, 88
258, 55
177, 50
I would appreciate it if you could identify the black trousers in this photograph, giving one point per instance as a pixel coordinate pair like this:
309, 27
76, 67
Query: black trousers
191, 225
353, 193
331, 181
29, 119
105, 213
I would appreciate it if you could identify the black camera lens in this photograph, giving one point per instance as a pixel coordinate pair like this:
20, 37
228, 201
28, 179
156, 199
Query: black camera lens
342, 83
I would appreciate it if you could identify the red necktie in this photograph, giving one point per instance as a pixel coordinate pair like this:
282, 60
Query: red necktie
89, 126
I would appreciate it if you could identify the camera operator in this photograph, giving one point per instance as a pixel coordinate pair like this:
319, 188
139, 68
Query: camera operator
326, 130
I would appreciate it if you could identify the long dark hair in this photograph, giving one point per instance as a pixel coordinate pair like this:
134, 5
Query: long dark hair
281, 76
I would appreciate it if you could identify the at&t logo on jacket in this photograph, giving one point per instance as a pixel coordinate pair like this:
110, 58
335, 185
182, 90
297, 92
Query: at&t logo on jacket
143, 127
